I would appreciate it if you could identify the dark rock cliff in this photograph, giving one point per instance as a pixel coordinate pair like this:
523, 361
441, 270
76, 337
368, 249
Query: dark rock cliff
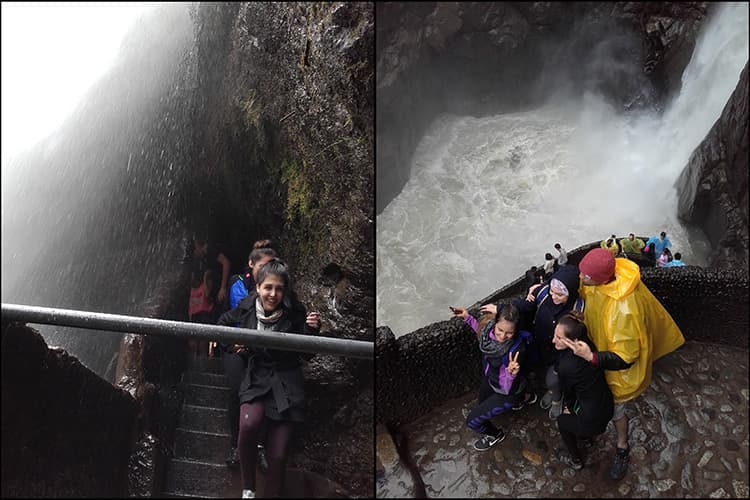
479, 58
714, 185
45, 390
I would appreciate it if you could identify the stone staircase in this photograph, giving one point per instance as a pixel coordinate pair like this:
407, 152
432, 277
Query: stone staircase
201, 445
197, 468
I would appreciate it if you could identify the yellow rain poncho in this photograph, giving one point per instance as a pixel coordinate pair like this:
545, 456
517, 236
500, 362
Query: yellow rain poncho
624, 317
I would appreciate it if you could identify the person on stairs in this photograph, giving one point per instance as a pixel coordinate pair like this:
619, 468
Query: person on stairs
272, 391
234, 357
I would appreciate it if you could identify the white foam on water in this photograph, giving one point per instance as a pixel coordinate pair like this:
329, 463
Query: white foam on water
488, 197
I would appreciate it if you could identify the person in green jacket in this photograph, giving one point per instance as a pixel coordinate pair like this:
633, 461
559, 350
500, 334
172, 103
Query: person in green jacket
632, 245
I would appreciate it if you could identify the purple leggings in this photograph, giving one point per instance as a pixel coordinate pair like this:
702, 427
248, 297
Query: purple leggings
252, 416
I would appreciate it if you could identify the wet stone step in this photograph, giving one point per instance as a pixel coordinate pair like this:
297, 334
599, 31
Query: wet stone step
206, 395
204, 419
188, 477
201, 446
205, 378
204, 364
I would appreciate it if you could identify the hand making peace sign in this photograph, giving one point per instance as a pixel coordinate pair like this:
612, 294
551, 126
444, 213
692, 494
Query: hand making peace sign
513, 365
579, 348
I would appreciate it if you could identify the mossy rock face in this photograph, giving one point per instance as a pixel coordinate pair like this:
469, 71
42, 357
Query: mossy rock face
284, 122
287, 120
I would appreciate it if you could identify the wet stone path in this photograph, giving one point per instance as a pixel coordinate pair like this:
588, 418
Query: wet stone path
688, 438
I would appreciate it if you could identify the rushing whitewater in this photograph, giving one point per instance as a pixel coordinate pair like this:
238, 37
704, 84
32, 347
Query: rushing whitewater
488, 197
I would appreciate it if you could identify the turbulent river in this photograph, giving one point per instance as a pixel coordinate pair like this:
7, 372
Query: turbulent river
489, 196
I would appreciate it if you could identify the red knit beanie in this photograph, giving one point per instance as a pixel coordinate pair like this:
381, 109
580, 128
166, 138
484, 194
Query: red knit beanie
598, 264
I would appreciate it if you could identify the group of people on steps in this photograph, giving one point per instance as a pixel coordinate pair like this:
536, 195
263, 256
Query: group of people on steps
266, 398
592, 332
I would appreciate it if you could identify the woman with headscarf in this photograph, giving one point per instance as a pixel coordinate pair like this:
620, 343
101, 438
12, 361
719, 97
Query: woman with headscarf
547, 304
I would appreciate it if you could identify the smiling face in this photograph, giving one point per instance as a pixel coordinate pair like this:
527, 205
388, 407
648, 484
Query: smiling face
504, 330
557, 338
557, 297
271, 292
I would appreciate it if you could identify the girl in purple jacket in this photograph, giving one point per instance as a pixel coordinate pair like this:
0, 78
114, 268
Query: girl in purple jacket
503, 354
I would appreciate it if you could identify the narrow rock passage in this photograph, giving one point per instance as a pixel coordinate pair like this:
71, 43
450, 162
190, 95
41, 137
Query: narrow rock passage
688, 438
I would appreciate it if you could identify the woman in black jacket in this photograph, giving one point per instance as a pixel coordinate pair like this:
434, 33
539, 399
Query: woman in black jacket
272, 391
588, 403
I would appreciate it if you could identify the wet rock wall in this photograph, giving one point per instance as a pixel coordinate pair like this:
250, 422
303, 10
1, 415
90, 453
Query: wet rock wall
713, 187
150, 368
420, 370
284, 138
65, 431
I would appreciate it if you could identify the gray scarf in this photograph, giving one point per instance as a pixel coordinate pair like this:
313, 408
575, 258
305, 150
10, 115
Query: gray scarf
261, 314
490, 347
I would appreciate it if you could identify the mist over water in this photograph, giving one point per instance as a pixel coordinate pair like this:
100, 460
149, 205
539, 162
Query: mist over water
488, 197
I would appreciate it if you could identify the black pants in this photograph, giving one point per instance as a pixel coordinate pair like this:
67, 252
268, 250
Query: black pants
234, 368
571, 427
491, 404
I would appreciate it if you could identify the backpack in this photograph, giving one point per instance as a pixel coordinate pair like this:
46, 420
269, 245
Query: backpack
523, 336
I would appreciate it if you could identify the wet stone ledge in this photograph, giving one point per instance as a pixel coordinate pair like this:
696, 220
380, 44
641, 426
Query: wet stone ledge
688, 438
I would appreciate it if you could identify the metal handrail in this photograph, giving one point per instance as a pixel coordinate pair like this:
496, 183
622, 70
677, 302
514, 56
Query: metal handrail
182, 329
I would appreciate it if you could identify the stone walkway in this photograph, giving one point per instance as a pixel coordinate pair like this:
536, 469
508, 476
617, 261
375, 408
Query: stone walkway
688, 438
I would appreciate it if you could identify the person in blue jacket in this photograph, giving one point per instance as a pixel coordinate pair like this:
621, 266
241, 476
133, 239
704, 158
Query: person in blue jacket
241, 283
660, 243
677, 261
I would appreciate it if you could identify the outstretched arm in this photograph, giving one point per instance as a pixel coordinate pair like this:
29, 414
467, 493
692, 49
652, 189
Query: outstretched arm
470, 320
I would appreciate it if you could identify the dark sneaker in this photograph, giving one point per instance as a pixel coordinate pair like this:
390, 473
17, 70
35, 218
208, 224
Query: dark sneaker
262, 462
530, 399
546, 401
620, 465
487, 441
585, 443
233, 460
567, 459
555, 409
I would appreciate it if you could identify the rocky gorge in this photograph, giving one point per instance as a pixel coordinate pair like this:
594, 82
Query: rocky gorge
437, 58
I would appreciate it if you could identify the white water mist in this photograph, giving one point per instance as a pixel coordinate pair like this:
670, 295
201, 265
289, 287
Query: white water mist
488, 197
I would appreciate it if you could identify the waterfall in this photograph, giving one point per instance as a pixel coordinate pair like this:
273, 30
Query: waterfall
89, 217
488, 197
